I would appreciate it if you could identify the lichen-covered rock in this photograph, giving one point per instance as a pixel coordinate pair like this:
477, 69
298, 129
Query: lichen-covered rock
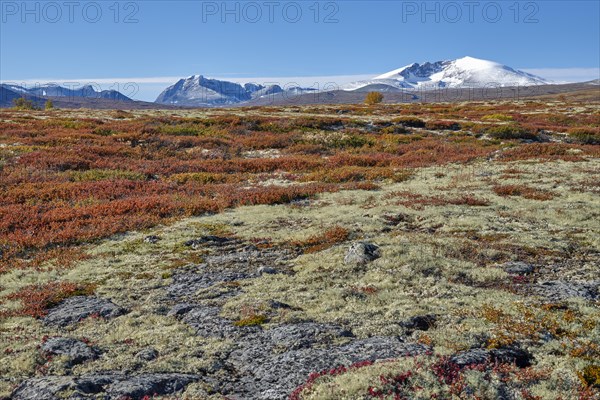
270, 364
471, 357
512, 355
209, 240
561, 290
74, 309
104, 386
95, 383
506, 355
147, 354
45, 388
419, 323
75, 350
517, 268
361, 253
179, 309
207, 323
150, 384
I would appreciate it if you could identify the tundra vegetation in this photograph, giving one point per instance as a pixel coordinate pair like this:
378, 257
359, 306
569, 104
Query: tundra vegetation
190, 253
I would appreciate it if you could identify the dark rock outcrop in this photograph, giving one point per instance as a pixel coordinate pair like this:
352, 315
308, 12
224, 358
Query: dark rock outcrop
74, 309
75, 350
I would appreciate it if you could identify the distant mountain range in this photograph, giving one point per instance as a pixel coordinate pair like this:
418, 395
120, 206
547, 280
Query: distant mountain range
52, 90
199, 91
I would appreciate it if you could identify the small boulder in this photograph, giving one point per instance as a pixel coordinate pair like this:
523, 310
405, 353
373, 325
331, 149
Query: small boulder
276, 305
517, 268
512, 355
74, 309
75, 350
179, 309
471, 357
562, 290
505, 355
267, 270
362, 253
419, 323
209, 240
151, 239
147, 354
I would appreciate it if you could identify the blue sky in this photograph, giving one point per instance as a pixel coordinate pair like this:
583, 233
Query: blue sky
152, 43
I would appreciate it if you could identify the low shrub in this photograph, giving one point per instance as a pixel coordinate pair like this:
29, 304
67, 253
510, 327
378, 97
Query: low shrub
497, 117
585, 135
323, 241
253, 320
590, 376
442, 125
523, 191
509, 132
409, 122
37, 299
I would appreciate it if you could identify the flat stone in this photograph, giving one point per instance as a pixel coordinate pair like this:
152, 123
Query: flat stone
150, 384
517, 268
207, 323
209, 240
180, 309
147, 354
561, 290
275, 374
45, 388
76, 350
507, 355
75, 309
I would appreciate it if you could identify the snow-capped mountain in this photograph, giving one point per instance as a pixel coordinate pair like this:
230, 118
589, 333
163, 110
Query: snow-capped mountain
52, 90
199, 91
465, 72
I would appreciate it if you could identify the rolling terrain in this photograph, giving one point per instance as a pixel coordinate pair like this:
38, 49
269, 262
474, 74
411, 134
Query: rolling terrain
418, 251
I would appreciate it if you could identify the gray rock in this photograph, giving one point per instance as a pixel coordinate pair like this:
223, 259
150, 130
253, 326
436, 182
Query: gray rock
507, 355
179, 309
151, 239
76, 350
45, 388
267, 270
561, 290
512, 355
51, 387
361, 253
96, 383
517, 268
419, 323
185, 284
276, 305
275, 374
207, 323
105, 386
150, 384
471, 357
209, 240
74, 309
147, 354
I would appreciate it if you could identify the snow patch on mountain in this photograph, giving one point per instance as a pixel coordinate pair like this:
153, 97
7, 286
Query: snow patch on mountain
467, 72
